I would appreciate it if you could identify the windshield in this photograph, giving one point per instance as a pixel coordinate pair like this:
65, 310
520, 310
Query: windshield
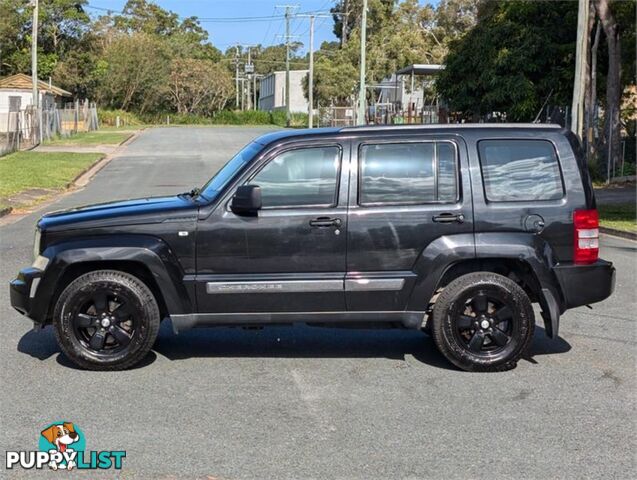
217, 183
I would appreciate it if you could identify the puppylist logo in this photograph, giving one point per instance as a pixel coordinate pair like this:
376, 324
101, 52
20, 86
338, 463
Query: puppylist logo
62, 446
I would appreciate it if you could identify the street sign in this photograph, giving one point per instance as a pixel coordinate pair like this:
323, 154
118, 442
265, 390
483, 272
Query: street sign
249, 68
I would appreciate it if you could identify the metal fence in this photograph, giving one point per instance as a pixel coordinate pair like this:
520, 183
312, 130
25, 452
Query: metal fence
24, 129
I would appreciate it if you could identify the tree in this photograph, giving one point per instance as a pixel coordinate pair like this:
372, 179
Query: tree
62, 24
615, 79
136, 76
510, 65
347, 16
199, 86
335, 77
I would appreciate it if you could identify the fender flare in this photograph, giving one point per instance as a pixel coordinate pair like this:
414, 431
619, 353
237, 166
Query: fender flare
447, 251
150, 252
538, 254
432, 263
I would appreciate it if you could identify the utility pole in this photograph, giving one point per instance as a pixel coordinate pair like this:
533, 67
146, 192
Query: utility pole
236, 76
249, 97
310, 85
288, 8
361, 89
581, 70
34, 55
287, 66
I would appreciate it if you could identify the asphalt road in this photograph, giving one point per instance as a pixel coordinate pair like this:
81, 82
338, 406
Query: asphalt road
320, 403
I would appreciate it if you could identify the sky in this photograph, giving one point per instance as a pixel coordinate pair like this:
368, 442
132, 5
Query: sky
268, 31
223, 34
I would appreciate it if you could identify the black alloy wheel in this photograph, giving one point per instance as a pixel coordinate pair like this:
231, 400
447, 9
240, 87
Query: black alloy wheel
483, 321
106, 320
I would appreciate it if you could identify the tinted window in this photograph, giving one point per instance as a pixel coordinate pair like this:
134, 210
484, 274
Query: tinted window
408, 173
515, 170
307, 176
211, 189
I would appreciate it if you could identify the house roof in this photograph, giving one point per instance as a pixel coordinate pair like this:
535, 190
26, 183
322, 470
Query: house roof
420, 69
20, 81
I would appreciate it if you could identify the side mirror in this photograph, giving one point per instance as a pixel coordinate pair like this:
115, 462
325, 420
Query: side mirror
246, 200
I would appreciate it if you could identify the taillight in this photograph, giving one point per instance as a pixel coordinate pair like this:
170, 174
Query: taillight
586, 237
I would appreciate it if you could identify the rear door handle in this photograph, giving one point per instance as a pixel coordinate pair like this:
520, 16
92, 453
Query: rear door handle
325, 222
449, 218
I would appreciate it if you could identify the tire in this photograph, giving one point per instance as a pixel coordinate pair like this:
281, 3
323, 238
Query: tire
483, 322
106, 320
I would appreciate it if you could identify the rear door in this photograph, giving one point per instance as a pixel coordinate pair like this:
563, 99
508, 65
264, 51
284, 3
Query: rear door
404, 194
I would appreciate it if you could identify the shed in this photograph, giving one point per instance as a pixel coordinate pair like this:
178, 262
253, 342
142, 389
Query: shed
16, 93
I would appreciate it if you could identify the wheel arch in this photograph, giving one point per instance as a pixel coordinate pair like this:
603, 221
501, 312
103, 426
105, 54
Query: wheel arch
134, 268
148, 258
524, 255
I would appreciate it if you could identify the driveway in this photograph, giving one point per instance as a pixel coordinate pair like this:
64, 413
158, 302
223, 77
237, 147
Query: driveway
291, 403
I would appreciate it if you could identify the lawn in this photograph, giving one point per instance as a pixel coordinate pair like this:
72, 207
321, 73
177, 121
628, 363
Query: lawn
97, 137
622, 216
23, 171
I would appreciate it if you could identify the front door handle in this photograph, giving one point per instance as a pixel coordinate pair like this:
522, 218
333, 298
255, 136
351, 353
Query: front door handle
449, 218
325, 222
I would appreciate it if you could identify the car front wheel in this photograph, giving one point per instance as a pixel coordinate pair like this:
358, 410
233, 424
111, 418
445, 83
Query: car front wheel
483, 322
106, 320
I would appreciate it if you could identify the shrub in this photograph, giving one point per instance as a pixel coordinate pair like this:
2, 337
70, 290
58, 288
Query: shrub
108, 117
229, 117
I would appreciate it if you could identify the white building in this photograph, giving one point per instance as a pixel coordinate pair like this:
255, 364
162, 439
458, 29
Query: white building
16, 93
272, 91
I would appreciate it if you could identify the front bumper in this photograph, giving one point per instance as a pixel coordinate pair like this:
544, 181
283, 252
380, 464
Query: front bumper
22, 290
586, 284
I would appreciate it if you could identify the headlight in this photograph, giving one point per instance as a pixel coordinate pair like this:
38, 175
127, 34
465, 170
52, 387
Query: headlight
36, 243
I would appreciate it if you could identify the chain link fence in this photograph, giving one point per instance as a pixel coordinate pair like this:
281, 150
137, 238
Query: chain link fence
27, 128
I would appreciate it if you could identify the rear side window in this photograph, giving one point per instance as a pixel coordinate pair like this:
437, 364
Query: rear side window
408, 173
520, 170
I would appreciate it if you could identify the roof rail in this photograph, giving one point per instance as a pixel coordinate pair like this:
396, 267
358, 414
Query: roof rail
432, 126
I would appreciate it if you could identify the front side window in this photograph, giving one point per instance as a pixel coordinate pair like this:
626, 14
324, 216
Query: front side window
217, 183
520, 170
408, 173
300, 177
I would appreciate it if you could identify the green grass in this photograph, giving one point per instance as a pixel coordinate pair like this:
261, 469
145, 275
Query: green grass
622, 216
91, 138
22, 171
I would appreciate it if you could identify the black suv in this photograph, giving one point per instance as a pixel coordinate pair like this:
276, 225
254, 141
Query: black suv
452, 229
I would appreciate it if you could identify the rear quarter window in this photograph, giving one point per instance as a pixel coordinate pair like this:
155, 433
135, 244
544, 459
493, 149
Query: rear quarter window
520, 170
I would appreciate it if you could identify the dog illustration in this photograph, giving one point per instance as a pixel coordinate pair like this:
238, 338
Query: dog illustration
61, 436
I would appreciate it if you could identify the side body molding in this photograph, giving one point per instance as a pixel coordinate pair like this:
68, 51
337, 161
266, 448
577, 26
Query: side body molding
151, 252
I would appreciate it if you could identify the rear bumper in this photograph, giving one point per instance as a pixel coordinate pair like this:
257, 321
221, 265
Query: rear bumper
586, 284
22, 290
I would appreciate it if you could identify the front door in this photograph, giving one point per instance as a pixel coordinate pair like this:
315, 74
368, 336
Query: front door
291, 256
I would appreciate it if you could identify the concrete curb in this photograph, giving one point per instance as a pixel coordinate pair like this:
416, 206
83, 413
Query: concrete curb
618, 233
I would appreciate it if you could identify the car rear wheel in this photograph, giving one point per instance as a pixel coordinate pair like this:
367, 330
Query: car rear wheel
106, 320
483, 322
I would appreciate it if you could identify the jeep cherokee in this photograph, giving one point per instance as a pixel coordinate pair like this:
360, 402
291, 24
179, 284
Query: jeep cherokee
452, 229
